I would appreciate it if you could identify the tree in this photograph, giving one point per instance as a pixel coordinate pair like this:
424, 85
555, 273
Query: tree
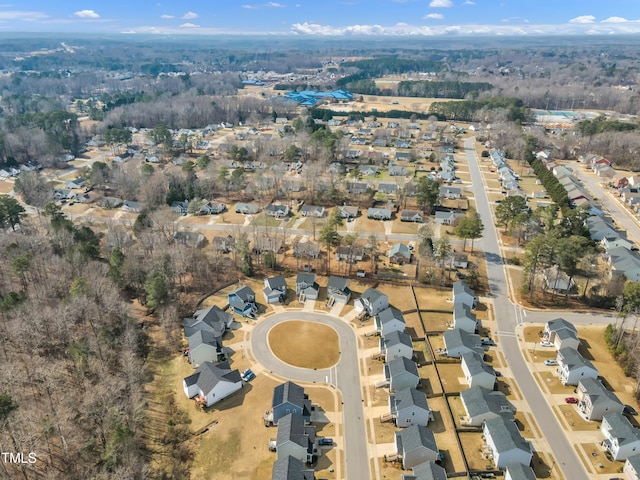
372, 250
631, 297
539, 254
34, 188
428, 192
441, 251
156, 289
509, 209
11, 212
425, 232
569, 252
469, 227
204, 161
330, 238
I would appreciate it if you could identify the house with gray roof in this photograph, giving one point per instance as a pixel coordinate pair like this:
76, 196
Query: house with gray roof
306, 286
518, 471
180, 207
462, 293
632, 467
275, 289
624, 262
212, 383
476, 372
223, 244
277, 211
426, 471
389, 320
289, 397
295, 438
349, 254
372, 301
401, 373
621, 439
212, 208
415, 445
243, 301
267, 244
338, 290
247, 208
396, 344
458, 341
212, 319
595, 401
357, 188
482, 404
397, 170
349, 211
379, 213
450, 193
312, 211
409, 407
387, 188
290, 468
306, 249
399, 254
552, 327
204, 346
464, 318
411, 216
572, 366
506, 443
189, 239
447, 217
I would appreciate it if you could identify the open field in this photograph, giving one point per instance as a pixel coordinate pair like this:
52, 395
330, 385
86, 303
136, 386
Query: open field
410, 228
289, 342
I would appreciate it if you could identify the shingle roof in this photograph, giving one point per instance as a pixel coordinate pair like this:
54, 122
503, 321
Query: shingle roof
202, 337
290, 468
390, 314
505, 435
634, 460
518, 471
458, 338
277, 283
429, 471
560, 324
292, 393
407, 398
621, 428
415, 437
208, 375
212, 319
397, 338
461, 287
573, 359
337, 283
371, 294
475, 364
307, 278
400, 249
597, 391
479, 401
291, 428
401, 365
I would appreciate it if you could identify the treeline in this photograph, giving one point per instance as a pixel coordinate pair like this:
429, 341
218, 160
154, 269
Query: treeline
470, 110
297, 87
589, 128
328, 114
378, 67
441, 89
552, 185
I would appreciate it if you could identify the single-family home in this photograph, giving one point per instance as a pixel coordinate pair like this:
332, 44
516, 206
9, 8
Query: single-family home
389, 320
399, 254
212, 208
401, 373
462, 293
369, 170
133, 207
411, 216
357, 188
379, 213
506, 443
267, 244
349, 254
606, 172
409, 407
573, 367
379, 142
457, 342
460, 260
561, 333
213, 320
518, 471
243, 301
64, 194
295, 438
396, 344
621, 439
223, 244
204, 346
387, 188
180, 207
372, 301
426, 471
289, 397
595, 401
558, 281
278, 211
464, 318
306, 249
447, 217
79, 182
312, 211
338, 290
247, 208
211, 383
416, 444
110, 202
348, 211
620, 180
482, 404
450, 193
306, 286
290, 468
476, 372
275, 289
632, 467
189, 239
397, 170
624, 262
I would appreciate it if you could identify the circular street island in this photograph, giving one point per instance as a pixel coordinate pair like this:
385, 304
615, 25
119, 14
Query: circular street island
305, 344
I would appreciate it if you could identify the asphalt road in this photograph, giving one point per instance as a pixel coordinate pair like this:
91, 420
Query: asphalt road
507, 317
345, 376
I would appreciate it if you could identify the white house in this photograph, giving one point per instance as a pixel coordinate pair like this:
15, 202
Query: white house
338, 290
482, 405
573, 367
518, 471
476, 372
621, 439
457, 342
389, 320
401, 373
561, 333
275, 289
212, 383
416, 444
505, 442
463, 294
464, 318
426, 471
595, 401
372, 301
632, 467
396, 344
409, 407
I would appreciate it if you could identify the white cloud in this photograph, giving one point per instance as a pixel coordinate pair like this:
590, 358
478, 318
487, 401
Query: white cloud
86, 14
469, 2
189, 25
441, 4
433, 16
249, 7
583, 19
615, 20
167, 17
23, 15
189, 16
274, 5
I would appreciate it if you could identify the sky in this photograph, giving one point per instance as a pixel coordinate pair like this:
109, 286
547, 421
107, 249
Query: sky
325, 17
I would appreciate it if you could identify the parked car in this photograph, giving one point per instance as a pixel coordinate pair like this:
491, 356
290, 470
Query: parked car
247, 375
628, 409
325, 441
498, 201
487, 341
545, 343
551, 362
497, 373
571, 400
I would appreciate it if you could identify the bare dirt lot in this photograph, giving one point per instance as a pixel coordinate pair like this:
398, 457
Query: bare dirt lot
289, 341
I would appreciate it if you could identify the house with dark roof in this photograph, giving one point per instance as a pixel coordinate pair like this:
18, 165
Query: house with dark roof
518, 471
397, 170
476, 372
79, 182
462, 293
134, 207
212, 383
357, 188
289, 397
401, 373
275, 289
595, 401
426, 471
338, 290
277, 211
389, 320
348, 211
572, 366
553, 328
399, 254
295, 438
621, 439
223, 244
396, 344
212, 208
415, 445
180, 207
204, 346
189, 239
481, 404
464, 318
450, 193
624, 262
243, 301
312, 211
447, 217
372, 301
458, 341
412, 216
306, 249
306, 286
506, 443
379, 213
290, 468
409, 407
387, 188
267, 244
349, 254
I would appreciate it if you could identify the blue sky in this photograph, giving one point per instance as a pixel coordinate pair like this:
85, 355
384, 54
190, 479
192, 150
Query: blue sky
325, 17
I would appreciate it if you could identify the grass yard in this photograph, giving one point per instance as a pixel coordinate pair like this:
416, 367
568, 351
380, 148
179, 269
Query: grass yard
263, 220
6, 187
413, 325
364, 224
597, 462
552, 383
433, 299
289, 342
472, 446
429, 380
410, 228
452, 377
231, 217
445, 435
457, 409
436, 322
399, 296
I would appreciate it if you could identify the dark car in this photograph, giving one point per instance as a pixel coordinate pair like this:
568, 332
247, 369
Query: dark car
628, 409
325, 441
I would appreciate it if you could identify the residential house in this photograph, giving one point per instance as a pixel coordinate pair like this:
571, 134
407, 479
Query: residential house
289, 397
64, 194
372, 301
397, 170
212, 208
306, 286
401, 373
369, 170
338, 290
399, 254
447, 217
558, 281
620, 180
79, 182
401, 143
243, 301
379, 213
212, 383
389, 320
267, 244
562, 333
621, 439
460, 260
412, 216
598, 163
595, 401
506, 443
190, 239
278, 211
464, 318
409, 407
110, 202
357, 188
624, 262
223, 244
247, 208
634, 180
275, 289
180, 207
403, 156
416, 444
632, 467
518, 471
458, 341
290, 468
348, 211
462, 293
379, 142
450, 193
312, 211
204, 346
133, 207
606, 172
426, 471
482, 405
349, 254
295, 439
396, 344
306, 250
476, 372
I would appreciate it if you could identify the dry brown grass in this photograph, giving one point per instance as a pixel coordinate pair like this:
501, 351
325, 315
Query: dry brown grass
472, 444
289, 341
452, 377
413, 325
6, 187
410, 228
436, 322
445, 435
433, 299
597, 462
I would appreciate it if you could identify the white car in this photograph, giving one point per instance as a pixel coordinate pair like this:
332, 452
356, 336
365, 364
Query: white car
550, 362
544, 343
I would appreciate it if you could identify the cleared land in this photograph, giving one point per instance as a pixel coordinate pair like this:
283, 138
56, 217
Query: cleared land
289, 341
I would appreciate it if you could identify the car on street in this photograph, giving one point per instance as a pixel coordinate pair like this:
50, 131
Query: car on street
247, 375
571, 400
550, 362
628, 409
498, 201
325, 441
545, 343
497, 373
